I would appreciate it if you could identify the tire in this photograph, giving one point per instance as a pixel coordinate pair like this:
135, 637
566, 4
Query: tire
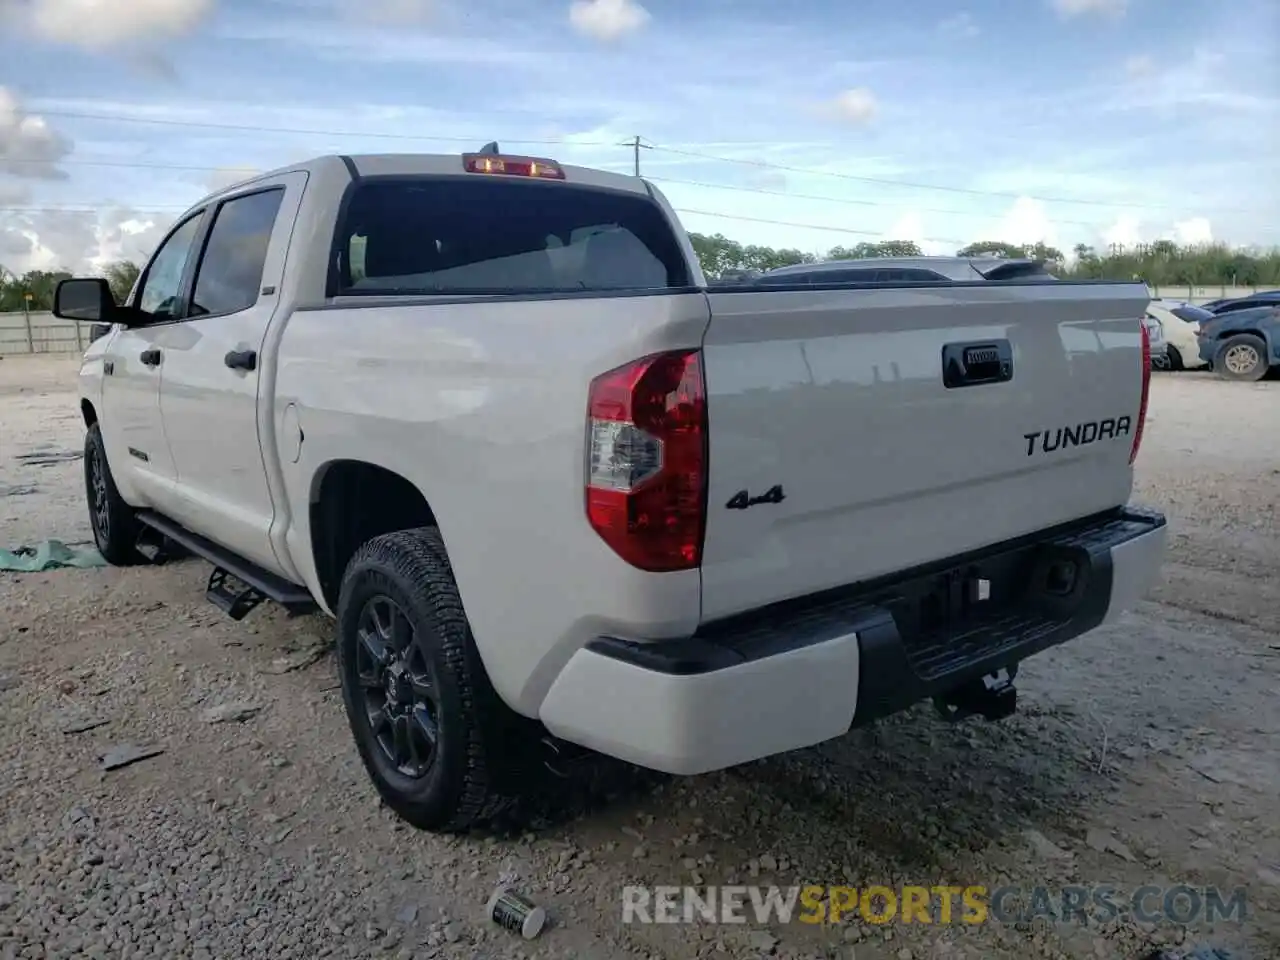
1242, 357
1175, 360
114, 524
403, 581
1160, 361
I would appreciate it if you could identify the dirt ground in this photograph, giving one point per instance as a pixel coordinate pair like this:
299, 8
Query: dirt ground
1144, 753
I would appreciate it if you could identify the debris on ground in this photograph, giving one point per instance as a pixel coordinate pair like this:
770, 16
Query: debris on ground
49, 458
1104, 842
125, 754
84, 726
235, 712
515, 912
298, 659
49, 555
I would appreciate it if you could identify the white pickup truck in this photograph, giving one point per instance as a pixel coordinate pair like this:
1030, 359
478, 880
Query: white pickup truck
485, 412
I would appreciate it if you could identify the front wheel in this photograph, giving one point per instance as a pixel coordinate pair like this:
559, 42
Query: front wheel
1175, 360
418, 700
1242, 357
114, 524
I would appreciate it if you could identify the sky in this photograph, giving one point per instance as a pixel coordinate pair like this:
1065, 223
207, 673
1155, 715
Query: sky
822, 123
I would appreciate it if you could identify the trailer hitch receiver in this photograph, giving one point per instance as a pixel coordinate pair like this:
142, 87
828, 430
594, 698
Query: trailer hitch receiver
993, 697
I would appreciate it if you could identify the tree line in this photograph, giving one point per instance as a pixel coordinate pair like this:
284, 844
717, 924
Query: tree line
1162, 263
33, 290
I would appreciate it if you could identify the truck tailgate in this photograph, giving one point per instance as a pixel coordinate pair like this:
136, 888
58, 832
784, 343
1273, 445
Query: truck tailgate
855, 433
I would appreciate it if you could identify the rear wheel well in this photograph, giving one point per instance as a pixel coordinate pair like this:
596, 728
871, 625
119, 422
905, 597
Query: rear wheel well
355, 502
90, 415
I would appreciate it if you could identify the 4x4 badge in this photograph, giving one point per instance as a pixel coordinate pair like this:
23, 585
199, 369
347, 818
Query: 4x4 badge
741, 500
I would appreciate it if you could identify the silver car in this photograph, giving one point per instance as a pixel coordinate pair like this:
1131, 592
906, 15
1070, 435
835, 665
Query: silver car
908, 270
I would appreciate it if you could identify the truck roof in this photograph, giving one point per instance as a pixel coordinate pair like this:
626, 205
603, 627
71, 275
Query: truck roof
427, 164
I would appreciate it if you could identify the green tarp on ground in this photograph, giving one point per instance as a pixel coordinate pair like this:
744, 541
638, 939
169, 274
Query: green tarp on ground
49, 555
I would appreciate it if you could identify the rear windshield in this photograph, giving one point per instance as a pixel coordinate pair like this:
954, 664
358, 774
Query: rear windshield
463, 235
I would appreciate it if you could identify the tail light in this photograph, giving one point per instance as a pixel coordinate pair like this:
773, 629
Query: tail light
1146, 390
647, 460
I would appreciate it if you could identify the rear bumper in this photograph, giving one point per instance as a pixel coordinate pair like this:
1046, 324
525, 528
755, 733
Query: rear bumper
801, 672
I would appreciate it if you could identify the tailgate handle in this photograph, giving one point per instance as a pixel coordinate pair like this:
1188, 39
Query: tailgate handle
983, 361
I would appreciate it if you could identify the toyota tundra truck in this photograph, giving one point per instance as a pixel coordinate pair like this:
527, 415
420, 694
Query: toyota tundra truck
485, 412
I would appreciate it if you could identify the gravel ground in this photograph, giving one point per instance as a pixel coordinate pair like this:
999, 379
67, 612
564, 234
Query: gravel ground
1143, 753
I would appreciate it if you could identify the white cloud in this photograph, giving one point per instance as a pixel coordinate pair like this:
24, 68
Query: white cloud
1194, 231
961, 26
79, 241
910, 226
12, 195
1125, 232
29, 147
1080, 8
607, 20
856, 106
1027, 222
1129, 231
100, 24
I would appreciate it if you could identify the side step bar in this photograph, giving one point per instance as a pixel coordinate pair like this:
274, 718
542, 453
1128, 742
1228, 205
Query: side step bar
236, 585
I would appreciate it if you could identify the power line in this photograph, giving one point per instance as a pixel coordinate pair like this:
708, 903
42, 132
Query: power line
102, 208
257, 128
252, 128
808, 226
884, 181
634, 142
849, 201
761, 191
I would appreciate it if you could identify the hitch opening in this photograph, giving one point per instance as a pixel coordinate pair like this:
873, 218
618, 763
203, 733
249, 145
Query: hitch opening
992, 697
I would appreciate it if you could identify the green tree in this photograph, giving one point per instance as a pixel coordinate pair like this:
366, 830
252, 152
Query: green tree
40, 284
882, 248
122, 275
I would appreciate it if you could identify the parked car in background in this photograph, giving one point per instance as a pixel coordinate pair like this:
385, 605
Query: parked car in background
1267, 298
1158, 348
1242, 344
734, 276
908, 270
1178, 323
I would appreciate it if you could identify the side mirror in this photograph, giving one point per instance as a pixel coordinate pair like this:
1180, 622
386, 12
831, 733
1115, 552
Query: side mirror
87, 298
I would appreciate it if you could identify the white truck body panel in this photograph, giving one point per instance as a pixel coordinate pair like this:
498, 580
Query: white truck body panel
480, 402
481, 407
837, 395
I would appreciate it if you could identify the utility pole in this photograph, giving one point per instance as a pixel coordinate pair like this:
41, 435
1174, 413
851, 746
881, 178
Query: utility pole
636, 144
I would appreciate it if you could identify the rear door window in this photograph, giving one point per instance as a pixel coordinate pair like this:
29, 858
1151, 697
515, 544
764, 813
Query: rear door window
463, 235
235, 254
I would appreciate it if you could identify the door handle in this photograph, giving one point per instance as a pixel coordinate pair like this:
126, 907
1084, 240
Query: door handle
971, 364
241, 359
150, 357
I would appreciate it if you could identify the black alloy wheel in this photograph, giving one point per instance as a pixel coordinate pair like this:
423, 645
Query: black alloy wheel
398, 688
